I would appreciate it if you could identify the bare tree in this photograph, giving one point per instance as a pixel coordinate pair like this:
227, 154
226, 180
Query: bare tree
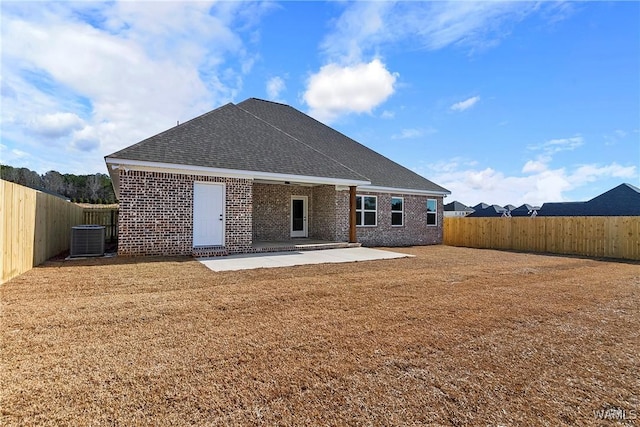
94, 186
54, 181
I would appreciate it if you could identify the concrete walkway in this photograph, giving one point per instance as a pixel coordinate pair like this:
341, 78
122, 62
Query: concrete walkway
289, 259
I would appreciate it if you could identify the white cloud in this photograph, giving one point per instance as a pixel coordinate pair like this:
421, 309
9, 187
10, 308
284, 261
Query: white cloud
408, 134
359, 88
55, 125
275, 86
466, 104
361, 25
591, 173
534, 166
386, 114
615, 137
553, 146
413, 133
366, 27
538, 184
125, 69
539, 181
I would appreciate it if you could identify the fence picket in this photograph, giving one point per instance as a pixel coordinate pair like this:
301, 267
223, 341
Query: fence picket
35, 226
611, 237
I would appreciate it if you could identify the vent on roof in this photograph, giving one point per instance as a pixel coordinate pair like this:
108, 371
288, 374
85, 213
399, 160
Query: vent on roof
87, 240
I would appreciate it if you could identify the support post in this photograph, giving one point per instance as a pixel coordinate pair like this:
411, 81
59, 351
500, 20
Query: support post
352, 215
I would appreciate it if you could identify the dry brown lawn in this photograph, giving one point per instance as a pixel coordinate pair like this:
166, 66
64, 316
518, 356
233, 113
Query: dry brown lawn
453, 336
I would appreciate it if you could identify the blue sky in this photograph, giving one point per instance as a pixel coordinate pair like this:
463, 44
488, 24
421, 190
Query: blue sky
500, 102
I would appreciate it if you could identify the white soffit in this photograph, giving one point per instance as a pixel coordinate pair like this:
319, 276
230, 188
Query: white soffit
409, 191
115, 163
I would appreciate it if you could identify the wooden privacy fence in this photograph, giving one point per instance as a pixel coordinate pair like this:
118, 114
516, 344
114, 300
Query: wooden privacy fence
103, 216
34, 226
595, 236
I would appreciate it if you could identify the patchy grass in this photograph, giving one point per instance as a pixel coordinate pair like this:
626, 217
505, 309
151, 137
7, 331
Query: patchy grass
453, 336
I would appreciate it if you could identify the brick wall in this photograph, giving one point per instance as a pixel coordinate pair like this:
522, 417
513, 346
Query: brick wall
327, 219
324, 213
414, 231
156, 213
272, 210
342, 215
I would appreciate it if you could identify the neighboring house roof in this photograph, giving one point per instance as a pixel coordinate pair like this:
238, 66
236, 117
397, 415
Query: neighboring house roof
623, 200
457, 207
524, 210
563, 209
480, 206
489, 211
270, 138
509, 207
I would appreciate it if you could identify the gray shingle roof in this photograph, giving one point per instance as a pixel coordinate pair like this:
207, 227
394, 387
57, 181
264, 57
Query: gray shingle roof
489, 211
380, 170
457, 206
480, 206
623, 200
231, 138
524, 210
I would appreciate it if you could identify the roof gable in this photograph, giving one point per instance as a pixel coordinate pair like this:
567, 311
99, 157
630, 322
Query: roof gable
489, 211
524, 210
623, 200
267, 137
230, 138
381, 171
457, 206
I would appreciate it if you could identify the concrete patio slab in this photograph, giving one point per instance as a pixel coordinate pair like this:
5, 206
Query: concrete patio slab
289, 259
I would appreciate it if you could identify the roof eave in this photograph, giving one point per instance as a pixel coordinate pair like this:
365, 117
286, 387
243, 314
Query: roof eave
115, 163
410, 191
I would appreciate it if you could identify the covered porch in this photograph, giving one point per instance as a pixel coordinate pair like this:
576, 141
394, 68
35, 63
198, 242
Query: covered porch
302, 216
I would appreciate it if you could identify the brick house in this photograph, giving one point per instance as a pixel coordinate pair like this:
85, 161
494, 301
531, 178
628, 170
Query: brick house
261, 171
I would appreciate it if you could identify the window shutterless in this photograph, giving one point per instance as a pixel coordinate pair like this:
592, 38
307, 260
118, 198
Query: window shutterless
397, 211
366, 211
432, 212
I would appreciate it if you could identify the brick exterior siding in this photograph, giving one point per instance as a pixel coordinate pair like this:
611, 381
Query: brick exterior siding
414, 231
156, 215
272, 212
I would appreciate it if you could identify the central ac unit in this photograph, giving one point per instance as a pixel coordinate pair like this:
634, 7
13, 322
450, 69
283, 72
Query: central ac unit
87, 240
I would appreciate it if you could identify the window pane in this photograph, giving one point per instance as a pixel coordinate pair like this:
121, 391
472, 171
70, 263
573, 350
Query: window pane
431, 218
396, 218
432, 205
370, 203
369, 218
396, 204
359, 218
358, 202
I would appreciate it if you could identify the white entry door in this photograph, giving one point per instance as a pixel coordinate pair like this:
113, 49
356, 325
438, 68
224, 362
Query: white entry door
208, 214
299, 216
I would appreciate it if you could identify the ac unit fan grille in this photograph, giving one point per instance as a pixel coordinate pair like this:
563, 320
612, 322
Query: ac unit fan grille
87, 240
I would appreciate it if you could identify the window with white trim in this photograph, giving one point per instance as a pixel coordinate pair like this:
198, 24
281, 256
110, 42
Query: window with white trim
367, 211
397, 211
432, 212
